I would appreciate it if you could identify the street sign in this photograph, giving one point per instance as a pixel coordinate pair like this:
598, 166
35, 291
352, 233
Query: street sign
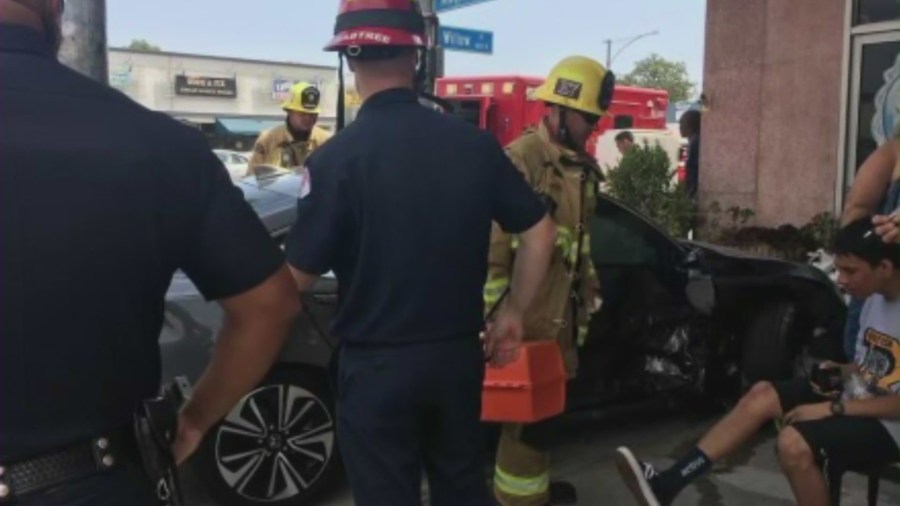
464, 39
449, 5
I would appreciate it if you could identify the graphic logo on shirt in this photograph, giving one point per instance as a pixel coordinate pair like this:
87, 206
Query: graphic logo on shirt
568, 88
878, 365
305, 182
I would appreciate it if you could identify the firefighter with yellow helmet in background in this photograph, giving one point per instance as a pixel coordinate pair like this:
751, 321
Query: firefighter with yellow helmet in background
552, 158
288, 145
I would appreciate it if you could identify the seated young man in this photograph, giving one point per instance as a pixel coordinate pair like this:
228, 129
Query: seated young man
857, 428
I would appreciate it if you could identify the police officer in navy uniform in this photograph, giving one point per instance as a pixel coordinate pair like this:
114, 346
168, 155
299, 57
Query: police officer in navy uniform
399, 205
101, 201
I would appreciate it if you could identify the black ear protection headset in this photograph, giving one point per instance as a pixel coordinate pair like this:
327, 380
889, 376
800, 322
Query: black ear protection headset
607, 90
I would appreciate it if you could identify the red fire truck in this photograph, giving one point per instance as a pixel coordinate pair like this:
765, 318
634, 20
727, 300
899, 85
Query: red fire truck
505, 106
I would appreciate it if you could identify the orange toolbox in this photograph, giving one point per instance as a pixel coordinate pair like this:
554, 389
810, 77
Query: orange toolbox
531, 389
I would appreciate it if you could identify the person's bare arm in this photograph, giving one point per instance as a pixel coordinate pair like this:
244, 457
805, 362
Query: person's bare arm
879, 407
872, 181
531, 264
302, 280
504, 336
254, 329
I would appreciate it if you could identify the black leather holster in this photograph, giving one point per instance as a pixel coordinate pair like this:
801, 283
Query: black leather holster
156, 427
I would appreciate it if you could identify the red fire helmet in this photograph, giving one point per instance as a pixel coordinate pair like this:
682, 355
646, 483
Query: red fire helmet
362, 23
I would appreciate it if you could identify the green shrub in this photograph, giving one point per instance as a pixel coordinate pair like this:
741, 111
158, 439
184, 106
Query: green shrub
644, 180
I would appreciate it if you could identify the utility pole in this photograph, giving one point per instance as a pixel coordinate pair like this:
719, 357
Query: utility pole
608, 43
610, 58
435, 54
84, 39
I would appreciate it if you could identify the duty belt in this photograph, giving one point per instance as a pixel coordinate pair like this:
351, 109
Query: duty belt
146, 445
98, 455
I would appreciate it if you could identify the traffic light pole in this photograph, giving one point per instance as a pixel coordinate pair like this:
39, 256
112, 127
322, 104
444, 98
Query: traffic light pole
84, 40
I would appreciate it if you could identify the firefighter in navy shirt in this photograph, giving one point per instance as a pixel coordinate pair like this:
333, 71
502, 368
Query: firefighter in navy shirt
92, 227
399, 205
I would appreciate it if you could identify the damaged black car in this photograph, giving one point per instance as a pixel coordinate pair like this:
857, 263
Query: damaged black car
679, 318
687, 317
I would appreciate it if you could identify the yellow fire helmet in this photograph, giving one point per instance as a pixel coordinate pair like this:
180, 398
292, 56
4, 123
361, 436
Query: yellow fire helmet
579, 83
304, 97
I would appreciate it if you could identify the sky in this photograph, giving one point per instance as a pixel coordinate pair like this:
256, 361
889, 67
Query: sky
529, 35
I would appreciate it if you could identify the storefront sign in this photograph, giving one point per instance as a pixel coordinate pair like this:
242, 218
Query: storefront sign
887, 104
121, 78
220, 87
281, 88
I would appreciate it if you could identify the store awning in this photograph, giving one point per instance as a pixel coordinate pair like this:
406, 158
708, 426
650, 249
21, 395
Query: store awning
241, 126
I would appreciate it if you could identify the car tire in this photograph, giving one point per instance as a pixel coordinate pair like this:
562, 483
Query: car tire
767, 349
277, 447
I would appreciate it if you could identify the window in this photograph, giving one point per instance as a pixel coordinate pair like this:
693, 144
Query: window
623, 122
632, 256
619, 237
876, 94
874, 11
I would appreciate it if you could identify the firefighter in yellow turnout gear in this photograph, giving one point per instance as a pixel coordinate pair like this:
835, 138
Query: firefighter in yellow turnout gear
552, 158
287, 146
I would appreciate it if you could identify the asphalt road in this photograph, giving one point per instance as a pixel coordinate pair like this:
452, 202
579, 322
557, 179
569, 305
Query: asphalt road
584, 458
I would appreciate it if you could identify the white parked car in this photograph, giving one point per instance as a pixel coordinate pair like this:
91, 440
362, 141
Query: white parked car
235, 162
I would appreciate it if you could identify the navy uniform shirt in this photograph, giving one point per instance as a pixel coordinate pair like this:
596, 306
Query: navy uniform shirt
101, 201
399, 205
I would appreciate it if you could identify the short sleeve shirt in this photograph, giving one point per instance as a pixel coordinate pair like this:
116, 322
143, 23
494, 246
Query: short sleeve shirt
101, 201
399, 205
878, 350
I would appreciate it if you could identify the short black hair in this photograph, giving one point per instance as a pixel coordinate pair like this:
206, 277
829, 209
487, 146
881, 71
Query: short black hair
860, 240
625, 135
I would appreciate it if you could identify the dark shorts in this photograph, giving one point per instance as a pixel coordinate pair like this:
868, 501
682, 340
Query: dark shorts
841, 442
